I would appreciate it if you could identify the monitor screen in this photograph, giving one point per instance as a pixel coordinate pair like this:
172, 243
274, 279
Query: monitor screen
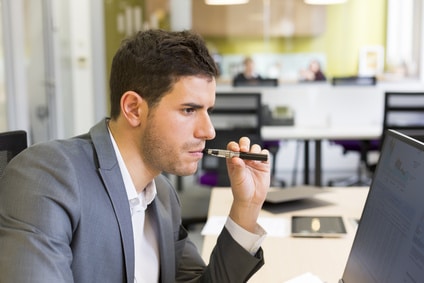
389, 243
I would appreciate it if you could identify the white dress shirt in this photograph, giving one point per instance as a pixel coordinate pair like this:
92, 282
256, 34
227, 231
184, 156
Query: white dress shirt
146, 248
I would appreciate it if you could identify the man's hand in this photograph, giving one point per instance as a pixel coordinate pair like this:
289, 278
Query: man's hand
250, 181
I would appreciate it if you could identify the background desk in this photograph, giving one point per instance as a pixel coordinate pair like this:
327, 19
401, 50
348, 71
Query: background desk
289, 257
315, 107
319, 133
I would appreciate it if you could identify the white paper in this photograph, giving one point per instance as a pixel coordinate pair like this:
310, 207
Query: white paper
305, 278
213, 225
275, 227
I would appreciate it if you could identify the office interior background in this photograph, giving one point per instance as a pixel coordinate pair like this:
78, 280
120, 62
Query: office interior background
55, 55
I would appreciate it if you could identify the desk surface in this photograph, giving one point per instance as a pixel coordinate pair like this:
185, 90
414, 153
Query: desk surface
287, 257
320, 132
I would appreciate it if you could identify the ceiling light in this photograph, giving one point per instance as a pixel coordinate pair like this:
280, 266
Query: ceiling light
226, 2
324, 2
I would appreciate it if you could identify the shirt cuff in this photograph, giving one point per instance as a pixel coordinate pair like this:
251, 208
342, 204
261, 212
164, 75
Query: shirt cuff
251, 242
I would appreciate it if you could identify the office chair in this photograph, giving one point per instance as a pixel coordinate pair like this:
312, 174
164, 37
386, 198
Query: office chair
273, 146
11, 143
404, 112
235, 115
362, 147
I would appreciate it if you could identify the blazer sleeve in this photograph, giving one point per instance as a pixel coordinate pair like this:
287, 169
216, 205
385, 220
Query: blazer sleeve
229, 262
35, 231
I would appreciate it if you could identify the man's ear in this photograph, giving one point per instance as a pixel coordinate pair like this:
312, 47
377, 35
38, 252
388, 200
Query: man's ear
131, 107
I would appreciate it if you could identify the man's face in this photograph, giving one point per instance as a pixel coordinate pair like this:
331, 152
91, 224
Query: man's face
249, 67
177, 128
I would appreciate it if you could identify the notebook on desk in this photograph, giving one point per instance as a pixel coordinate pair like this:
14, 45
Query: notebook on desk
389, 242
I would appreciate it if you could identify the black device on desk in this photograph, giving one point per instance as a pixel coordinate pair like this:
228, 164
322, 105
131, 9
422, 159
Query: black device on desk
317, 226
280, 116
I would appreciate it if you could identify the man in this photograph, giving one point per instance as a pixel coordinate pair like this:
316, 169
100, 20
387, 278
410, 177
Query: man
248, 75
95, 208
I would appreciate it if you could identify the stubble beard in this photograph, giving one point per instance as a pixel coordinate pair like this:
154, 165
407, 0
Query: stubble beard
162, 156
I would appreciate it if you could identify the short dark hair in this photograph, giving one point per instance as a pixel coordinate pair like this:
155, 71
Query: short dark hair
151, 61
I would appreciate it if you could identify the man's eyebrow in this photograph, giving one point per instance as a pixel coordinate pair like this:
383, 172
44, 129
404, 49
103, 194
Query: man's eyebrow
193, 105
198, 106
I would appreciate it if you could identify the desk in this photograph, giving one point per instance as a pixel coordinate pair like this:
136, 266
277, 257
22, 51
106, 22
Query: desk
319, 133
287, 257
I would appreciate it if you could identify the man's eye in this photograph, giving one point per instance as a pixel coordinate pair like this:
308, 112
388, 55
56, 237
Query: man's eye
189, 110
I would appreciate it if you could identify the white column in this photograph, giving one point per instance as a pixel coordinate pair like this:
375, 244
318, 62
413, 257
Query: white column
82, 65
14, 60
98, 51
180, 11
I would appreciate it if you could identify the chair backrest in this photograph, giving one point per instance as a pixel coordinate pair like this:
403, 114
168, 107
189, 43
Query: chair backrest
234, 115
11, 143
404, 112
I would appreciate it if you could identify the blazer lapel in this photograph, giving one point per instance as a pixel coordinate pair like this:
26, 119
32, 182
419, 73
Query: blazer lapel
112, 178
166, 241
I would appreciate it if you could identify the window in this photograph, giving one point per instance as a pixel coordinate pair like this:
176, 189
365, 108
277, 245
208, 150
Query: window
404, 33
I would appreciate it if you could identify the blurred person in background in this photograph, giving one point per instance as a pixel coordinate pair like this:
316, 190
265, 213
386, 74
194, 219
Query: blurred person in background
313, 73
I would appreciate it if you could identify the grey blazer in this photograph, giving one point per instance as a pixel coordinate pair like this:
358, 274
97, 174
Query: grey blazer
65, 217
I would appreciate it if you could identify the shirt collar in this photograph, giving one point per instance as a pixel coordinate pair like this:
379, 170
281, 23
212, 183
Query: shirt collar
137, 201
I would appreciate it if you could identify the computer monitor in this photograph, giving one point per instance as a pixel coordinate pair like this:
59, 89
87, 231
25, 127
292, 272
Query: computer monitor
389, 242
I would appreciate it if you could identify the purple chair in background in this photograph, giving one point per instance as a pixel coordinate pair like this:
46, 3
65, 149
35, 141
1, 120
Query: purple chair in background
364, 173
